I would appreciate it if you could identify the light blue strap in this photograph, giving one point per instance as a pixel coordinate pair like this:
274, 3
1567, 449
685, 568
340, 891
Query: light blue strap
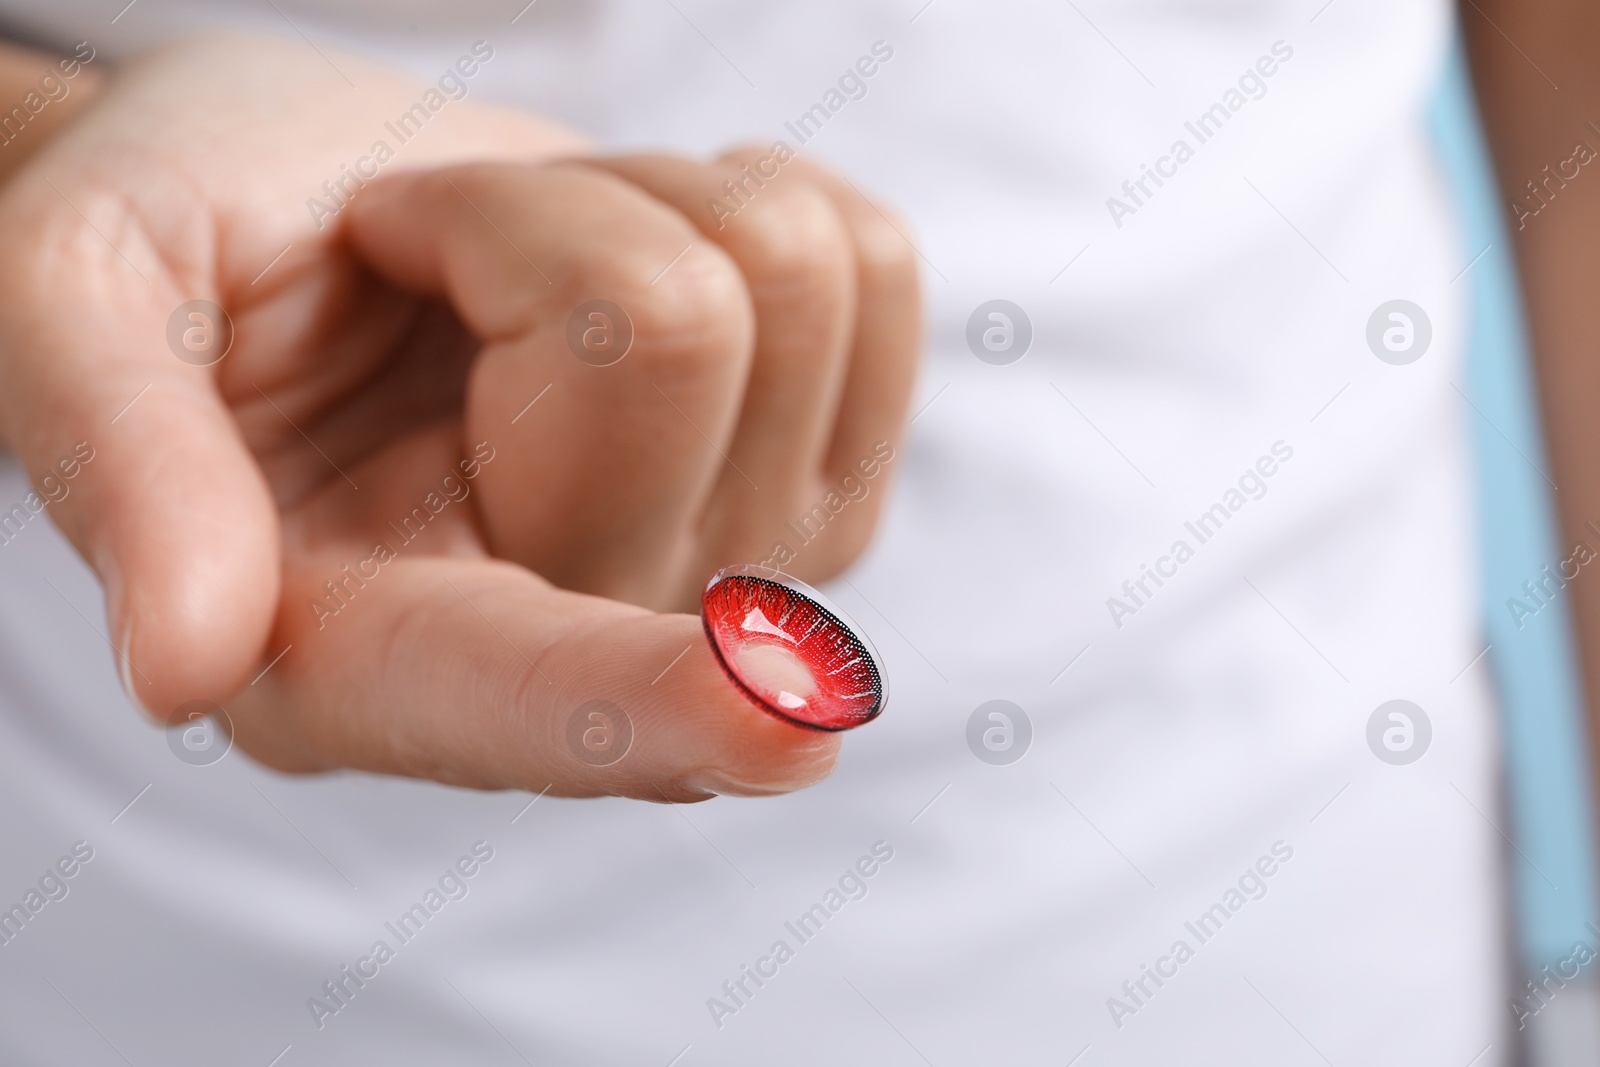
1532, 657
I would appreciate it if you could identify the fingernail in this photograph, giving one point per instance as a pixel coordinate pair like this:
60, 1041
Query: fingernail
719, 783
111, 580
125, 669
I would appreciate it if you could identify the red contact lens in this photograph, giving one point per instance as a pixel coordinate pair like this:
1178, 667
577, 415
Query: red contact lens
790, 650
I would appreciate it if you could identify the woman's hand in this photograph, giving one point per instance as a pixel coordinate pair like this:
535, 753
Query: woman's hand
374, 489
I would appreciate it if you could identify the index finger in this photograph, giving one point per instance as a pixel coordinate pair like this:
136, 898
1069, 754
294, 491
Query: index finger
479, 673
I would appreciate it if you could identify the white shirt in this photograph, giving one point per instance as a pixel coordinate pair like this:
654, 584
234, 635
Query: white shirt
1207, 729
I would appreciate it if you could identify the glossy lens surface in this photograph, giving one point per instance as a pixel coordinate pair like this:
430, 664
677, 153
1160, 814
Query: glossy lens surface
791, 651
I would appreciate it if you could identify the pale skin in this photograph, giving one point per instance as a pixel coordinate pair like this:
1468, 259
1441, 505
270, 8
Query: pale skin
213, 524
772, 351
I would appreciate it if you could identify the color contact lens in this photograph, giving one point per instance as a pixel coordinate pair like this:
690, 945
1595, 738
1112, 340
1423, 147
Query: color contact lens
790, 650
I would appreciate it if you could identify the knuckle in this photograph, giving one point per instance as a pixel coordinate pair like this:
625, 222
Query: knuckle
792, 234
883, 248
697, 310
50, 243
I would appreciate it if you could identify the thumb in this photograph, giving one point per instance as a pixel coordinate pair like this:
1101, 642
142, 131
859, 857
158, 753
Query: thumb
134, 456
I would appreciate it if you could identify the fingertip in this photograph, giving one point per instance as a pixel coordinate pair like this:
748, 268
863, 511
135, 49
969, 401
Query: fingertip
178, 523
797, 767
478, 673
725, 744
194, 632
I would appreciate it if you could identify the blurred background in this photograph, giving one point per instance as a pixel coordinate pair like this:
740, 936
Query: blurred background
1321, 754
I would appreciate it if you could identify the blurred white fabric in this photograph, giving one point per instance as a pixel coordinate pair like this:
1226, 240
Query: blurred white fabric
1227, 715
